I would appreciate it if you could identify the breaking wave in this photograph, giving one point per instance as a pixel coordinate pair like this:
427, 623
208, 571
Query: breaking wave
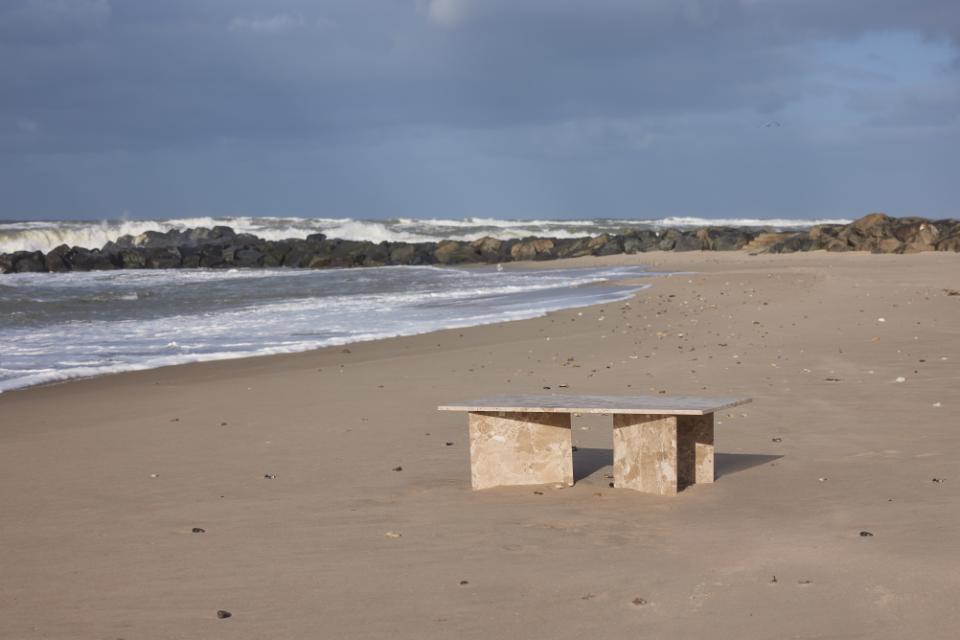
45, 235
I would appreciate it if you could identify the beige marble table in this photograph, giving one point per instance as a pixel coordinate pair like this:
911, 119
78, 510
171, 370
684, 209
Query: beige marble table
660, 443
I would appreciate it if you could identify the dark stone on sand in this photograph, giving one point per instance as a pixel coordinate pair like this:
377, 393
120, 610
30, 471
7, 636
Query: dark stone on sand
533, 249
198, 530
866, 534
398, 468
224, 614
688, 242
639, 602
793, 243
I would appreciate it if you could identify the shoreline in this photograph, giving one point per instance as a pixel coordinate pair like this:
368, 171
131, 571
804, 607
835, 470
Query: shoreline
635, 283
649, 260
288, 465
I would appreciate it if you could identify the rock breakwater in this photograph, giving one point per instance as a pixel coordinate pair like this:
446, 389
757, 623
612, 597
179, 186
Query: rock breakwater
222, 248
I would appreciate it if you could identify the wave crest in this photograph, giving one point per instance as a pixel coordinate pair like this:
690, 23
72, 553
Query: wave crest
45, 235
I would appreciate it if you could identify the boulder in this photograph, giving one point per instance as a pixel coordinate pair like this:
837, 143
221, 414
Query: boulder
724, 238
350, 253
154, 239
490, 249
212, 257
29, 262
274, 253
917, 236
532, 249
667, 239
132, 258
412, 254
688, 241
453, 252
247, 257
56, 259
374, 255
299, 253
6, 263
81, 259
572, 247
639, 241
190, 257
203, 236
162, 258
800, 241
605, 245
949, 243
874, 232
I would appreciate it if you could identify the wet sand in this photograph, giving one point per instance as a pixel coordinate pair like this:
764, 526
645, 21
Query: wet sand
288, 465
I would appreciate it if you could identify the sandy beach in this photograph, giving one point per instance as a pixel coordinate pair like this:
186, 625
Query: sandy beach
334, 501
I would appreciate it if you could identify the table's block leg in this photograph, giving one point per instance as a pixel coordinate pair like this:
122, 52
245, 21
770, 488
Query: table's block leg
508, 448
695, 449
645, 453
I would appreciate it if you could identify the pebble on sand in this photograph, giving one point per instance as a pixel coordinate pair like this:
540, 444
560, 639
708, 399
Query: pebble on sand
393, 534
866, 534
900, 379
224, 614
198, 530
639, 602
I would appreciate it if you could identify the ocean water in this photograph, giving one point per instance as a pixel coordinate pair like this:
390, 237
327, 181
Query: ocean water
56, 326
45, 235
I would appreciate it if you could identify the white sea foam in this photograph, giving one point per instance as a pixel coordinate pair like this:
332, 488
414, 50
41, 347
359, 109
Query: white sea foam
44, 236
777, 223
92, 323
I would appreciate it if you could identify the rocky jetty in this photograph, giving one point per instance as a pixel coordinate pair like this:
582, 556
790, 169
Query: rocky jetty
222, 247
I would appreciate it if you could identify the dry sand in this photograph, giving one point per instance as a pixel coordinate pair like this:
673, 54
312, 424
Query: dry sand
103, 480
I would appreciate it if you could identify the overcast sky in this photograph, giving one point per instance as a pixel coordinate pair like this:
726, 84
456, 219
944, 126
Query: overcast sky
501, 108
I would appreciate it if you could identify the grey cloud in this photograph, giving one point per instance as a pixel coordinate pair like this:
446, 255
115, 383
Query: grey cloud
508, 81
184, 70
32, 21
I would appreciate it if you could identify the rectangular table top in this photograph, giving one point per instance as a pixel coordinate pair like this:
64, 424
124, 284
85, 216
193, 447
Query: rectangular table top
650, 405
